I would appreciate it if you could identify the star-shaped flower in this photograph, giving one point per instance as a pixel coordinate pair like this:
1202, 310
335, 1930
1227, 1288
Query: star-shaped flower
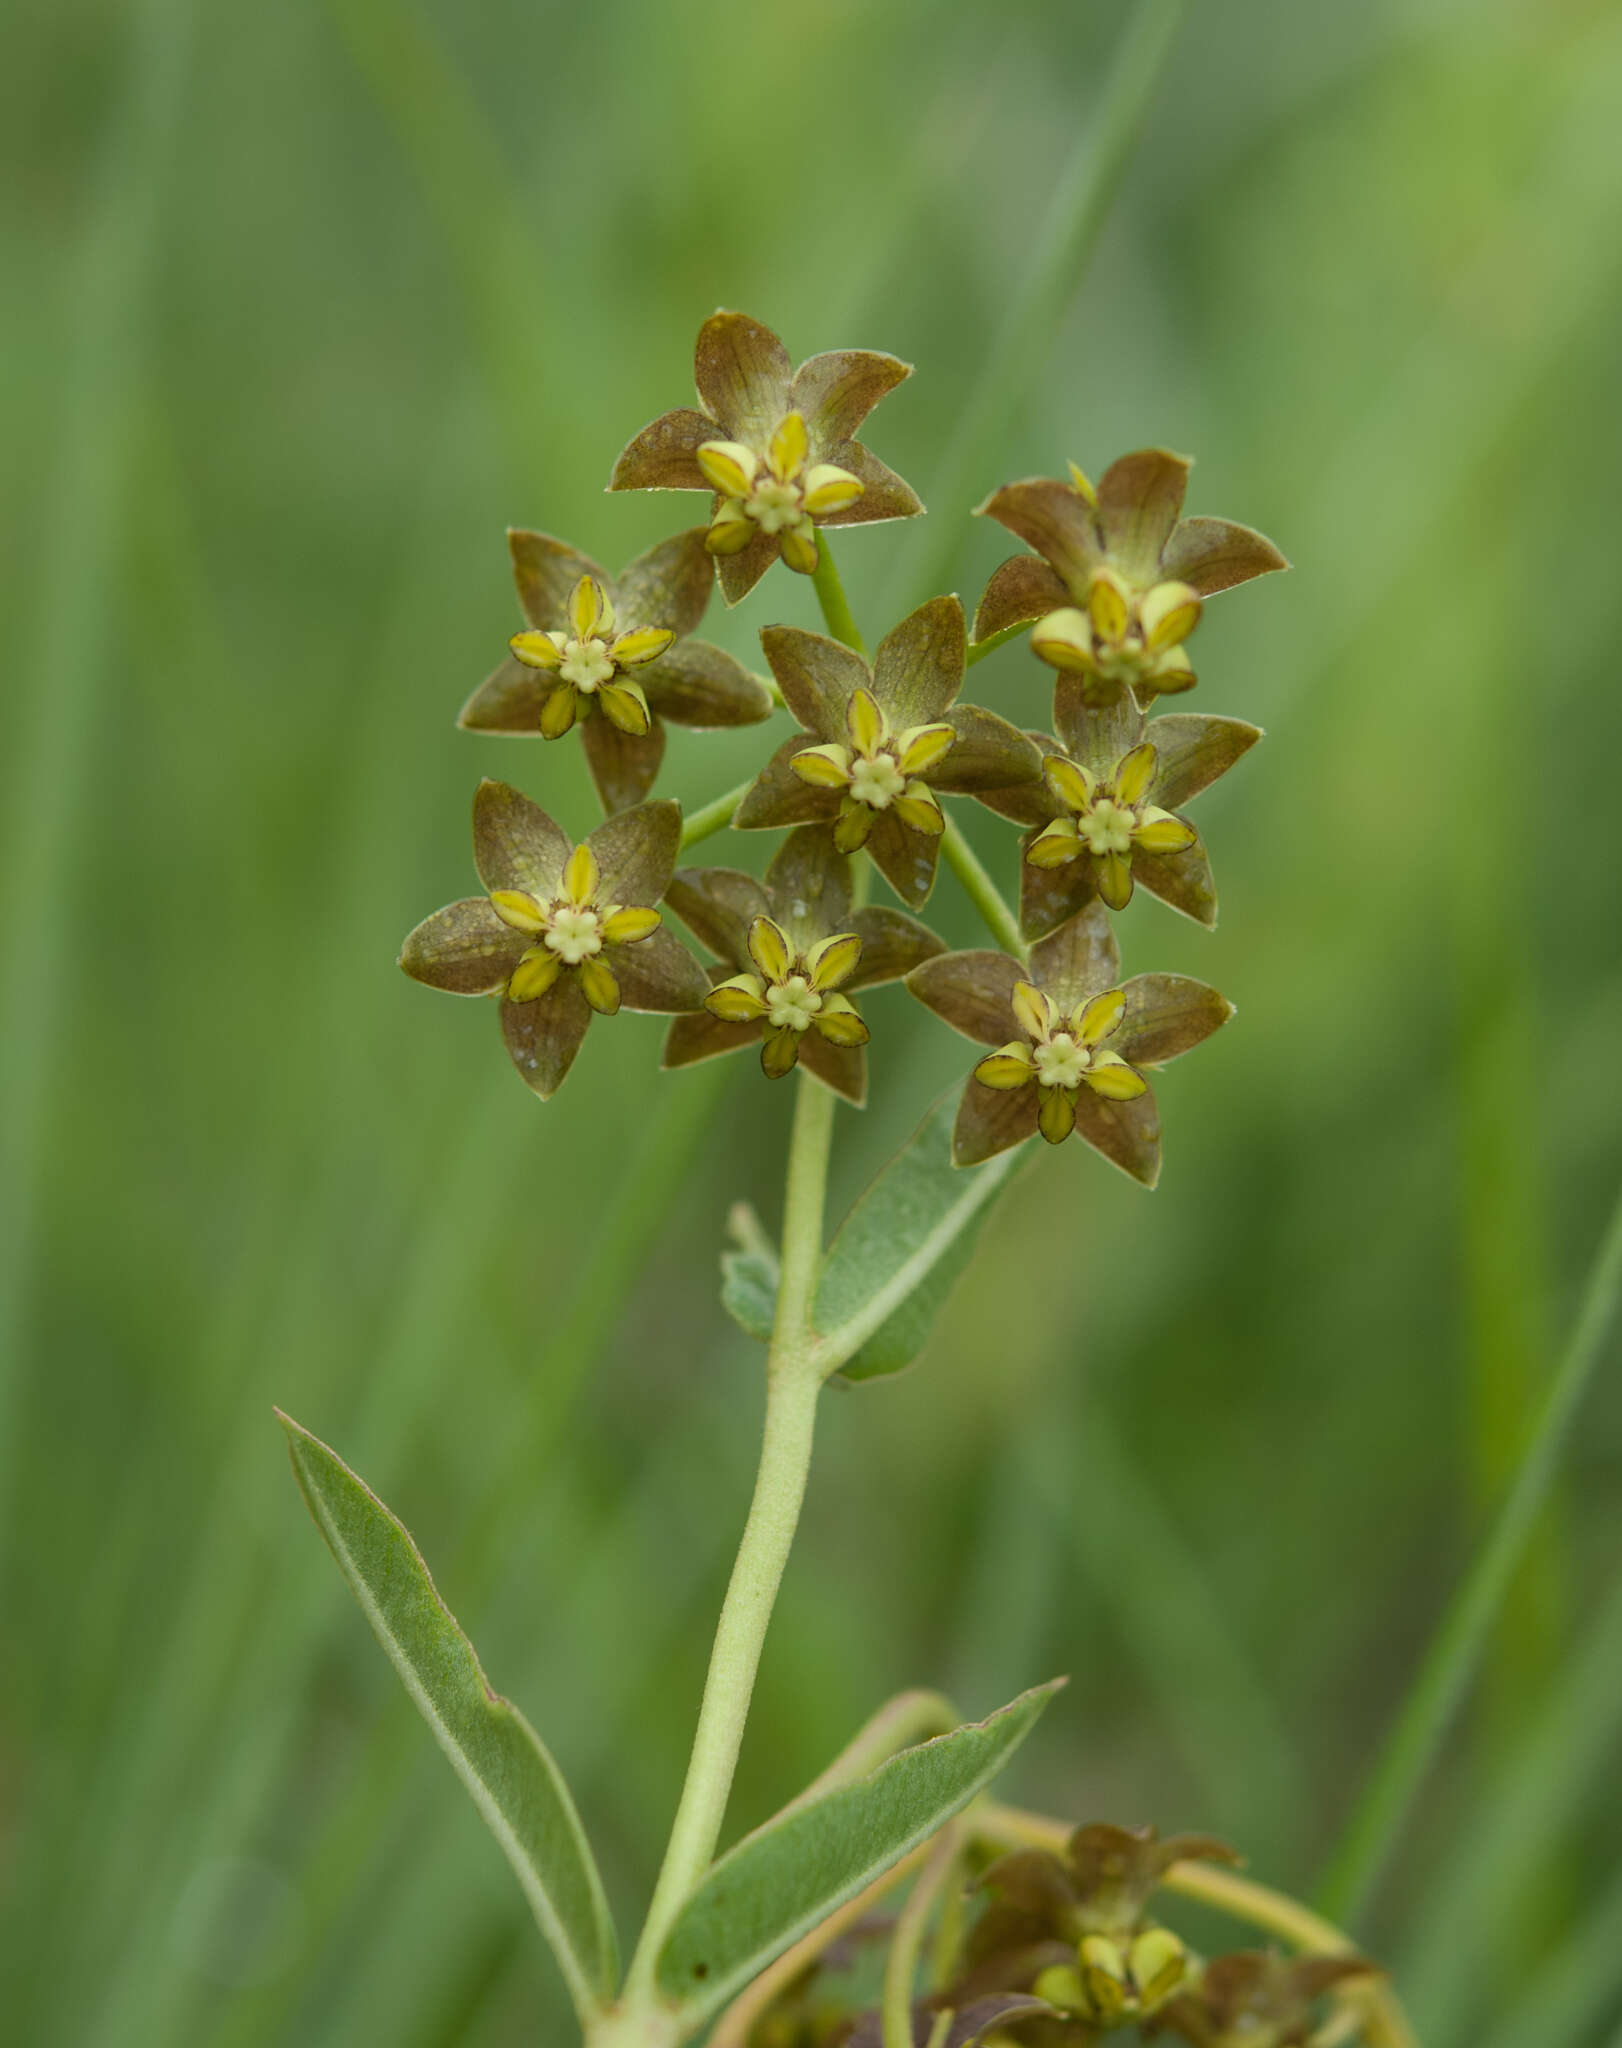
1104, 815
883, 742
1257, 1999
1072, 1041
611, 655
775, 445
1118, 578
792, 952
562, 931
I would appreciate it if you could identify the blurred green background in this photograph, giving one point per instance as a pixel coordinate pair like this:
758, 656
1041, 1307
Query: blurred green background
303, 305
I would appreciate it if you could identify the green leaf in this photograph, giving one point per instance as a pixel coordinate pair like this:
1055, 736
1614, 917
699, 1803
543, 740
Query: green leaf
889, 1259
499, 1758
749, 1274
789, 1875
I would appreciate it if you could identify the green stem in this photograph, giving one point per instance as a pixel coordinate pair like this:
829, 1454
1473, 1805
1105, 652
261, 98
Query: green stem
1456, 1648
981, 890
793, 1379
836, 611
901, 1964
979, 649
715, 816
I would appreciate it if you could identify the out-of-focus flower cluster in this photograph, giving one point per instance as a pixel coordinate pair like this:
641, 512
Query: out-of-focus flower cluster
1045, 1950
1111, 595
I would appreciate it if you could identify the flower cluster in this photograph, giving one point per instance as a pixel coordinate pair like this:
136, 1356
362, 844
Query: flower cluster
1065, 1950
1111, 594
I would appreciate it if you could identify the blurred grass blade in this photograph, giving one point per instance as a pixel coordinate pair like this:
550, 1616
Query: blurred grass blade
789, 1875
1568, 1998
1076, 212
106, 347
887, 1274
1455, 1651
1464, 1951
513, 1781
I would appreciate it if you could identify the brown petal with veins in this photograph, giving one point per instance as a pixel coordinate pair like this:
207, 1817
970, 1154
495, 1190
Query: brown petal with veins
546, 570
697, 1035
1126, 1133
973, 992
515, 844
1054, 520
893, 944
1192, 749
543, 1036
809, 884
1139, 498
624, 765
991, 1120
1215, 554
1048, 897
664, 456
884, 494
835, 392
743, 375
699, 685
989, 754
918, 669
636, 852
777, 796
1166, 1014
668, 586
1080, 959
465, 949
843, 1068
508, 700
741, 572
1182, 880
1022, 588
658, 973
718, 905
907, 859
817, 676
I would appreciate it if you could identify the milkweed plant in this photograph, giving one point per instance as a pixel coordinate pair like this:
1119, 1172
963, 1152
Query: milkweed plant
1015, 1928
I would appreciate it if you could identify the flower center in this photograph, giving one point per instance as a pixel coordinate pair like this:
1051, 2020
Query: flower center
1107, 827
774, 504
574, 934
876, 780
791, 1004
585, 663
1061, 1062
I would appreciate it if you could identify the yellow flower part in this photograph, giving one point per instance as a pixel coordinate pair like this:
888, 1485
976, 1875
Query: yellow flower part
1062, 1052
573, 932
792, 992
589, 663
1123, 639
777, 495
878, 769
1107, 821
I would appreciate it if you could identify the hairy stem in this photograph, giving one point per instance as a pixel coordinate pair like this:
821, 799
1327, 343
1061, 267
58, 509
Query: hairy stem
793, 1379
981, 890
836, 611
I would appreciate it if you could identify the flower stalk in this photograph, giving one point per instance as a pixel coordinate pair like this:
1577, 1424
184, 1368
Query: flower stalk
793, 1380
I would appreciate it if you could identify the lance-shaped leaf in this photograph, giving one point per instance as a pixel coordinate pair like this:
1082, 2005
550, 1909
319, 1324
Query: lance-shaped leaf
789, 1875
888, 1272
499, 1758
